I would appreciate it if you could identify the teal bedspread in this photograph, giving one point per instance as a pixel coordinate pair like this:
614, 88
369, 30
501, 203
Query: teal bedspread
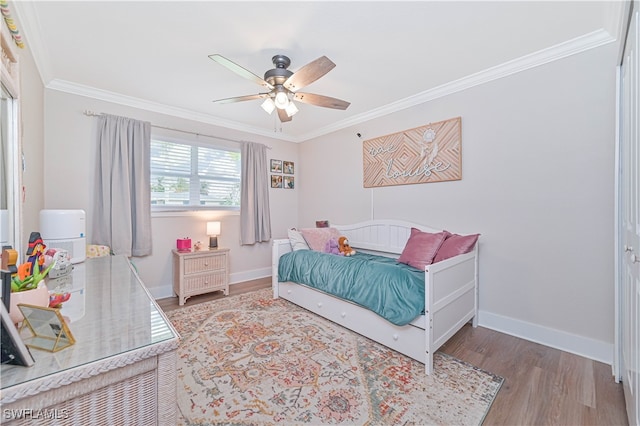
392, 290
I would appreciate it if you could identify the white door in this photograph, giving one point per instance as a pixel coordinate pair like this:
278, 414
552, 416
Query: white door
630, 224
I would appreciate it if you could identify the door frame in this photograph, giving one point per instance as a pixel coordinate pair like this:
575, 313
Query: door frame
628, 7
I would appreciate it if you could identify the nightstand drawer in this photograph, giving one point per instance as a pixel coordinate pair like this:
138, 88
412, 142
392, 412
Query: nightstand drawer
197, 283
204, 264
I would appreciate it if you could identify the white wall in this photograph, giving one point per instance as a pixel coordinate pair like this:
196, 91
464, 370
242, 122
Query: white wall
69, 171
538, 159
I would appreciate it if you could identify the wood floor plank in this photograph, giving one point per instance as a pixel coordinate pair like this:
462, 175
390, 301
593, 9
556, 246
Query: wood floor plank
543, 386
577, 379
609, 395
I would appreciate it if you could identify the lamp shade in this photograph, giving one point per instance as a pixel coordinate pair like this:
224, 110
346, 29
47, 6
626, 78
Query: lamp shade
291, 109
281, 100
213, 228
268, 105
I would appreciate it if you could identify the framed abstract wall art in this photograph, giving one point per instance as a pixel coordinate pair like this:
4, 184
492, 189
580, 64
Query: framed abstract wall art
430, 153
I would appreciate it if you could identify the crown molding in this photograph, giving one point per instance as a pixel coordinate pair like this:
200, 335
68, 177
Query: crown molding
571, 47
130, 101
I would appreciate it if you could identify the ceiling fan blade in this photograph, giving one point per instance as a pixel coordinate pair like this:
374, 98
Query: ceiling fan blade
240, 70
320, 100
282, 115
241, 98
309, 73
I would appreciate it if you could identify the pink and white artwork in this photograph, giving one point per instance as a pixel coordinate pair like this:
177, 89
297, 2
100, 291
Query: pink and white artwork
430, 153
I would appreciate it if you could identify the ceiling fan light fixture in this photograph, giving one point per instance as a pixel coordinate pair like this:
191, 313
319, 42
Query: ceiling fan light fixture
268, 105
281, 100
283, 85
291, 109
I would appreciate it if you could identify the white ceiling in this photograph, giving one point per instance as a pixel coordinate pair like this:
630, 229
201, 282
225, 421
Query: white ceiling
389, 55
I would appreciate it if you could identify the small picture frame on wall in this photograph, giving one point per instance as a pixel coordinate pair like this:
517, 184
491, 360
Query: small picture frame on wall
276, 181
289, 182
288, 167
276, 166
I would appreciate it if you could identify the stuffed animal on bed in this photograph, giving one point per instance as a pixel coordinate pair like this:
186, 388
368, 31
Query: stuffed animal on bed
331, 247
344, 247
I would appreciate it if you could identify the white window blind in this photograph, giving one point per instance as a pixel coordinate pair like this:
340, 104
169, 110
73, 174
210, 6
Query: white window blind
188, 176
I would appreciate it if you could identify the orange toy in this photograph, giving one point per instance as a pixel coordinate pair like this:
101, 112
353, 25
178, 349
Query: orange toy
9, 260
344, 247
24, 271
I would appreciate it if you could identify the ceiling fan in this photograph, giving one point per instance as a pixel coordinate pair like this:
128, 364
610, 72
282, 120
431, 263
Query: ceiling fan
283, 85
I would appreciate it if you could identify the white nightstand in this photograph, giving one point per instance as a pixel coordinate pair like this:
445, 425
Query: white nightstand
198, 272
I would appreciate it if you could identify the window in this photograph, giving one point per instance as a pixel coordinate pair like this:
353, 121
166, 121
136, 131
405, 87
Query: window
188, 176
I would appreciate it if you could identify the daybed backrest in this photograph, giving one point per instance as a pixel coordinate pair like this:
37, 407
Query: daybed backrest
386, 236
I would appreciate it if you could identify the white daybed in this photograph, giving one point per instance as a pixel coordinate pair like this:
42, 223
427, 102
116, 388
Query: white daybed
451, 293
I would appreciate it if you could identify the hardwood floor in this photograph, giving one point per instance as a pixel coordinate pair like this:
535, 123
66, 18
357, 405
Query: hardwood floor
543, 386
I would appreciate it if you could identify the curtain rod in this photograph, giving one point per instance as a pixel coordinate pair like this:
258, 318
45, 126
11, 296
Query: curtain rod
89, 113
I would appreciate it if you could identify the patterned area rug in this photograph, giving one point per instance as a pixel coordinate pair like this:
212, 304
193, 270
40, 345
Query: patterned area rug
249, 359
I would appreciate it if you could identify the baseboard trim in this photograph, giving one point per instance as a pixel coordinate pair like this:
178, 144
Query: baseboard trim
254, 274
161, 292
589, 348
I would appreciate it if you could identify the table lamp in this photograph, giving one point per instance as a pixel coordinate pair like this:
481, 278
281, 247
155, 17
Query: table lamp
213, 230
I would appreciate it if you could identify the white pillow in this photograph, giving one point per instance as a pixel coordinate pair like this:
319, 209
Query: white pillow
297, 240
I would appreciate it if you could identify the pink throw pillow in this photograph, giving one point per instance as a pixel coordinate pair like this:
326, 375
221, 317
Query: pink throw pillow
421, 248
317, 238
456, 244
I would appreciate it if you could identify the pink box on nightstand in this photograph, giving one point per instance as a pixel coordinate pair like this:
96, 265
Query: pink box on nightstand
183, 244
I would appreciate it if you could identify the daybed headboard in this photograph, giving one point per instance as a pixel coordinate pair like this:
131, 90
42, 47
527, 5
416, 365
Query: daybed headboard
381, 235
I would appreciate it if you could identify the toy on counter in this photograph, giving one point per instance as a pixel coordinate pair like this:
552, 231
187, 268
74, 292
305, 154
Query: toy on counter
30, 273
28, 277
9, 259
57, 299
344, 247
35, 251
62, 260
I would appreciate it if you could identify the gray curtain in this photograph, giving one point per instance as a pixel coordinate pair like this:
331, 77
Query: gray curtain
122, 213
255, 219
